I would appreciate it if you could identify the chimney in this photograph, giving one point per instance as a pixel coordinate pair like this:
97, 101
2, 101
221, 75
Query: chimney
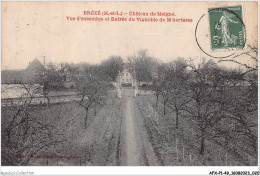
43, 61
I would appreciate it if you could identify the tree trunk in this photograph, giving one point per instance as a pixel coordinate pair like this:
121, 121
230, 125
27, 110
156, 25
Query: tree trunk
86, 118
177, 120
157, 98
48, 102
254, 145
95, 111
202, 142
164, 107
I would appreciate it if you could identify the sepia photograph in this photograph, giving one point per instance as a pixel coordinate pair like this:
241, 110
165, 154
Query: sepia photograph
130, 84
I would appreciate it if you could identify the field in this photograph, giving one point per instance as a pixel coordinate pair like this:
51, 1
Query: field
127, 131
163, 135
96, 145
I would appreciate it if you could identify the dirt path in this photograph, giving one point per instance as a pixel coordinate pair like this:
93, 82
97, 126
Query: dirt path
134, 153
136, 149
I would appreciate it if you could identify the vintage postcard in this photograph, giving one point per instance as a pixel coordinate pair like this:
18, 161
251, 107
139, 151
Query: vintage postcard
130, 84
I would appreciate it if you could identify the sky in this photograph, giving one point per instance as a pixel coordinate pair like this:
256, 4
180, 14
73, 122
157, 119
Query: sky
40, 29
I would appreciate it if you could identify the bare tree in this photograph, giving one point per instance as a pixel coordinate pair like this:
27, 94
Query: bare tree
207, 104
179, 95
243, 103
249, 54
50, 79
157, 88
25, 135
92, 91
166, 92
158, 82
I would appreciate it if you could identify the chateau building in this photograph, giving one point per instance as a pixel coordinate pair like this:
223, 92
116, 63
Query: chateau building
125, 78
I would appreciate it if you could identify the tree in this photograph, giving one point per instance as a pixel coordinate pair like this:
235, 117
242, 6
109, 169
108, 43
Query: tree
50, 79
157, 88
172, 86
158, 82
207, 100
166, 91
95, 70
72, 71
92, 91
23, 134
62, 69
142, 65
112, 66
243, 102
179, 84
249, 54
167, 84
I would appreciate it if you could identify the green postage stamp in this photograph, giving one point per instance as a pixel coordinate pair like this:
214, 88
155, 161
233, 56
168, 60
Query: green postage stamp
226, 28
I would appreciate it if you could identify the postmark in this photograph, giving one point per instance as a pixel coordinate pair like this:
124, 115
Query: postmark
220, 49
226, 28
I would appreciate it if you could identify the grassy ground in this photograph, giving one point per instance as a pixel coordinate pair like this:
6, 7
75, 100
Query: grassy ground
100, 143
62, 92
96, 145
163, 135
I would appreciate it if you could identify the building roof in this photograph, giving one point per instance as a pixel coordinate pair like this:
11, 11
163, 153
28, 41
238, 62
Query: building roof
24, 76
211, 63
35, 65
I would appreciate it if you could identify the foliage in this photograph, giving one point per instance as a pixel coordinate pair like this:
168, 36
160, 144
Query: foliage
142, 64
111, 67
50, 79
